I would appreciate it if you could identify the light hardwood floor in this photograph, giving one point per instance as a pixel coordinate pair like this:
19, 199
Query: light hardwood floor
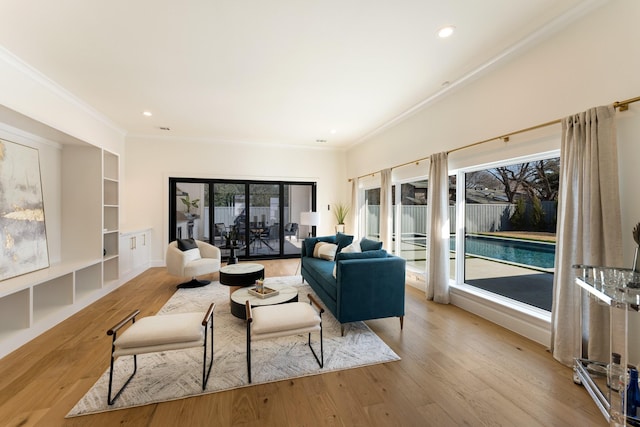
456, 369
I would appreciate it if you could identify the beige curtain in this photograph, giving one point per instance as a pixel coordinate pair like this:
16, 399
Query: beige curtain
386, 206
588, 232
354, 213
438, 229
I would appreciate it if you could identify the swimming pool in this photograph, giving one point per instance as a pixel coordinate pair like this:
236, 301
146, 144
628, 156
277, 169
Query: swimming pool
537, 254
516, 251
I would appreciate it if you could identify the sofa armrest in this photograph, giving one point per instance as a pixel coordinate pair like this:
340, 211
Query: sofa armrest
370, 288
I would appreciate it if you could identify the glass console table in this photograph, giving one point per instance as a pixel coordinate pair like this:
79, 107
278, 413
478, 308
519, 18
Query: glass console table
608, 286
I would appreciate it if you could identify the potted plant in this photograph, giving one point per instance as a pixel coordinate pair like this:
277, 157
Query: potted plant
341, 211
189, 204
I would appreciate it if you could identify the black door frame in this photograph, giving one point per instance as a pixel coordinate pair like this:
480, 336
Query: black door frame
173, 181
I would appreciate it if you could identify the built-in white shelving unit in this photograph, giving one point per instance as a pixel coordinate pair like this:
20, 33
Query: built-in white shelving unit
110, 215
87, 265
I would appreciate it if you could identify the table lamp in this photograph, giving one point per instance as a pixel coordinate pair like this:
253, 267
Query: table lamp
310, 219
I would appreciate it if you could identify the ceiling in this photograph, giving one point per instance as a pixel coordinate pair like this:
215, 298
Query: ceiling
280, 71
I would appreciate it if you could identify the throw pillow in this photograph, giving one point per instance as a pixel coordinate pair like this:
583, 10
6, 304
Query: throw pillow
187, 244
343, 240
326, 251
370, 245
316, 249
353, 247
191, 255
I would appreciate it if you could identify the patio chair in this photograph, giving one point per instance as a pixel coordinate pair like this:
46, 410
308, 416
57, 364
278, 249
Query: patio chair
291, 229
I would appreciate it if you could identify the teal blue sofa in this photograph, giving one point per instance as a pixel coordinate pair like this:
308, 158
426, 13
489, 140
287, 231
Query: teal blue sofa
368, 285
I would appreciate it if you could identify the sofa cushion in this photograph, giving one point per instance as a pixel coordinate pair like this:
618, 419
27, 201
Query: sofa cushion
322, 273
343, 240
310, 243
161, 330
353, 247
325, 250
380, 253
186, 244
370, 245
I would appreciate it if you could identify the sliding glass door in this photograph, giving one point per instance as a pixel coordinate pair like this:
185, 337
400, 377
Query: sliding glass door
191, 211
264, 219
251, 219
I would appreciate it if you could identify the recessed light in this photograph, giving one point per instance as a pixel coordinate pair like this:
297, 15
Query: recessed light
333, 131
445, 32
321, 140
164, 128
147, 113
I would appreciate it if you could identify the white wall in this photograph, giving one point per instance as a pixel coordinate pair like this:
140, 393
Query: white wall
151, 161
594, 61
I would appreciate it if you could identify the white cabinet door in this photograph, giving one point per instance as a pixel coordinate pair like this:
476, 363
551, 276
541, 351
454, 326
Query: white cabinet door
141, 250
126, 254
135, 249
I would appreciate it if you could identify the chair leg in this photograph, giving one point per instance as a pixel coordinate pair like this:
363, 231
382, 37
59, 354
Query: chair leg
249, 352
321, 359
206, 372
401, 322
110, 400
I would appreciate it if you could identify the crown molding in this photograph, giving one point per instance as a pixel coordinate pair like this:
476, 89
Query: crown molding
546, 31
44, 81
213, 140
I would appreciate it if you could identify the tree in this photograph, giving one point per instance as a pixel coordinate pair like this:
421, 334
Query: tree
537, 216
518, 218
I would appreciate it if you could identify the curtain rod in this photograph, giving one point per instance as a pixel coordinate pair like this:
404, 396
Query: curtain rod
620, 105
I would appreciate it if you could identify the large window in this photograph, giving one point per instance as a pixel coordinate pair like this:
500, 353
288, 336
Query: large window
255, 219
372, 213
510, 222
413, 223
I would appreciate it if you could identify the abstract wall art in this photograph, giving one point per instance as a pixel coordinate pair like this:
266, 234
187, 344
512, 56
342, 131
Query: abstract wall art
23, 238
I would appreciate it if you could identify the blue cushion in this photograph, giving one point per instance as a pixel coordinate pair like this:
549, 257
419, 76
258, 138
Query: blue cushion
342, 240
309, 244
380, 253
369, 245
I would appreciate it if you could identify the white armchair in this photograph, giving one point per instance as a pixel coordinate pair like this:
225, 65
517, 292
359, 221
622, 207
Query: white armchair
192, 258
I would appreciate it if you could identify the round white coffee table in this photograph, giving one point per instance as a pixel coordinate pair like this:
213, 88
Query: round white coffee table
238, 298
239, 275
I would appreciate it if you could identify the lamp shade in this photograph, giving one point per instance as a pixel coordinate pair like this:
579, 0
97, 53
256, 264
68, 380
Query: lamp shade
310, 218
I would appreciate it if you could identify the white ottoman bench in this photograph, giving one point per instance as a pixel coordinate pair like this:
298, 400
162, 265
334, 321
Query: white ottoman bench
161, 333
293, 318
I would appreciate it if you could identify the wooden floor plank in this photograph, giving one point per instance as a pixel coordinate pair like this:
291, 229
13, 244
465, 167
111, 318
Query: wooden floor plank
456, 369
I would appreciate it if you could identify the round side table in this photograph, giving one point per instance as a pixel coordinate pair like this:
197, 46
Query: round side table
237, 276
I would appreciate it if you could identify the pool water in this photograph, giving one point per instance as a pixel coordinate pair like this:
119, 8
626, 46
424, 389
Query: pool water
537, 254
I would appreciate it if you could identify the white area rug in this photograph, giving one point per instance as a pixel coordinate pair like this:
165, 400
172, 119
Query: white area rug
178, 374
